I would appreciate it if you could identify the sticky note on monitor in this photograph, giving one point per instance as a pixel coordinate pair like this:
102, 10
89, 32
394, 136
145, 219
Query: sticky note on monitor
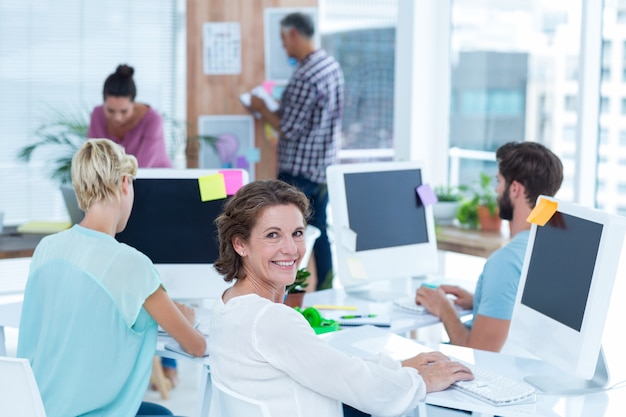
212, 187
426, 195
543, 212
233, 180
356, 268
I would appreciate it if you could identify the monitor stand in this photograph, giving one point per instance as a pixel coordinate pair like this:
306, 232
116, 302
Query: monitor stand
564, 384
381, 291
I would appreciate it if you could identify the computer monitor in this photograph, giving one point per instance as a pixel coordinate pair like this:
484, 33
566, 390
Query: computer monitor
381, 228
171, 224
564, 295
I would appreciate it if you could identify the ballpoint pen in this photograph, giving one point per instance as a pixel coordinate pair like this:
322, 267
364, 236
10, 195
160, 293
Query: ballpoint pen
359, 316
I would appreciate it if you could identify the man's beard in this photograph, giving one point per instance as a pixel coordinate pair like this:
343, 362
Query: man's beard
505, 206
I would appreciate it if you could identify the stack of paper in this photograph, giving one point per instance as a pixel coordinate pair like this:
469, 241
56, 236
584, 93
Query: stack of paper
259, 91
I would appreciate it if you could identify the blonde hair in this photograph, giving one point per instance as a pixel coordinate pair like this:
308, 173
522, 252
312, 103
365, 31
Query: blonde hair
98, 169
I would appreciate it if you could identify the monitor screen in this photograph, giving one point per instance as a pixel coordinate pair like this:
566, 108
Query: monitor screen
565, 290
171, 224
382, 230
570, 280
369, 196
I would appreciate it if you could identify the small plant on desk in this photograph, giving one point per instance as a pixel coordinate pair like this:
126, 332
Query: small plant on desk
295, 291
448, 201
481, 207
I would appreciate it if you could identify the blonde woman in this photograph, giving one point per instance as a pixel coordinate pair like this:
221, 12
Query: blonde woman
92, 304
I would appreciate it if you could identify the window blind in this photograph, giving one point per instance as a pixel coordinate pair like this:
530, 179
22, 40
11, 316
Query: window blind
54, 57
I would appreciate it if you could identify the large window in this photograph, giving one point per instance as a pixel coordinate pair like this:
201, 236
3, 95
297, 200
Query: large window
54, 57
361, 35
612, 121
514, 77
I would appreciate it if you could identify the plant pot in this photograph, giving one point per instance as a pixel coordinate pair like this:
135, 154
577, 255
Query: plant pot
445, 212
488, 221
294, 299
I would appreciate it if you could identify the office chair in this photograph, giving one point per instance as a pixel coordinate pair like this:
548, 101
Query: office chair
311, 233
19, 394
227, 403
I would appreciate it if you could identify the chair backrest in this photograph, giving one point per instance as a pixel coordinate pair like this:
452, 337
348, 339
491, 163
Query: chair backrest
227, 403
311, 233
19, 395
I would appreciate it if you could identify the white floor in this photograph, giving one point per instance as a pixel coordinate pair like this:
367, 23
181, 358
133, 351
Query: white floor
184, 397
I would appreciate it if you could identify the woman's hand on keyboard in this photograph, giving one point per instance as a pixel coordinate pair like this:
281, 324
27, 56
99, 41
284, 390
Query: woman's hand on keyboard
438, 371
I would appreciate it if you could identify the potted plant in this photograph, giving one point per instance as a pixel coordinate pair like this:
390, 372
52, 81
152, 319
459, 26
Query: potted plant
63, 134
295, 292
481, 207
448, 201
488, 215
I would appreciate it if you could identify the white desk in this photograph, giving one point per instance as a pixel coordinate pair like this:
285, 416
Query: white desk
13, 277
10, 312
366, 340
401, 321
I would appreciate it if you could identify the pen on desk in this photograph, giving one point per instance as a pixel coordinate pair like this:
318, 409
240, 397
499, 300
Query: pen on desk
359, 316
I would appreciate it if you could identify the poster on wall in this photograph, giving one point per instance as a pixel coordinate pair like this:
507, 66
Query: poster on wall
233, 145
278, 66
221, 48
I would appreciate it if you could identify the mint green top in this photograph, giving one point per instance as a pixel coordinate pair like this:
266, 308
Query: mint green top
83, 327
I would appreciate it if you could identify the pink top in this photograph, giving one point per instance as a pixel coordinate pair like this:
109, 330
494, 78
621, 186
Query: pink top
145, 141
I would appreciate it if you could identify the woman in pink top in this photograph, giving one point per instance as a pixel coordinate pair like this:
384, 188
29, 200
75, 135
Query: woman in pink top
135, 126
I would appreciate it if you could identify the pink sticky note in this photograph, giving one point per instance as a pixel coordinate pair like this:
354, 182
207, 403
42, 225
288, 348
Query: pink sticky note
233, 180
426, 194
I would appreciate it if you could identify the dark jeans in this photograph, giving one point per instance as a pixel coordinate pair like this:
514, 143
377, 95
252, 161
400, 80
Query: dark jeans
353, 412
318, 195
150, 409
168, 362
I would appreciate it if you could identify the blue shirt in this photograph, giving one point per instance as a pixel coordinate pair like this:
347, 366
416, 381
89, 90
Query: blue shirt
83, 327
310, 118
496, 288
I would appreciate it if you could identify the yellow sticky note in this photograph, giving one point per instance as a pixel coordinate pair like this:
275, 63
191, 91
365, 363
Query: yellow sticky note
357, 269
212, 187
543, 212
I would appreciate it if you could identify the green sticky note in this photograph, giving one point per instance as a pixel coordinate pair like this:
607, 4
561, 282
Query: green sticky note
212, 187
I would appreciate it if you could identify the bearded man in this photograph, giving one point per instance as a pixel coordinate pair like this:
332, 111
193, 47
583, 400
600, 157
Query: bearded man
525, 171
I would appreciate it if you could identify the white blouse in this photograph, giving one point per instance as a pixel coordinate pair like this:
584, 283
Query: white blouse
269, 352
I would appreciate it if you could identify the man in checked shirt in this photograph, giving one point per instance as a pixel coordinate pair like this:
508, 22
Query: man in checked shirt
308, 123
